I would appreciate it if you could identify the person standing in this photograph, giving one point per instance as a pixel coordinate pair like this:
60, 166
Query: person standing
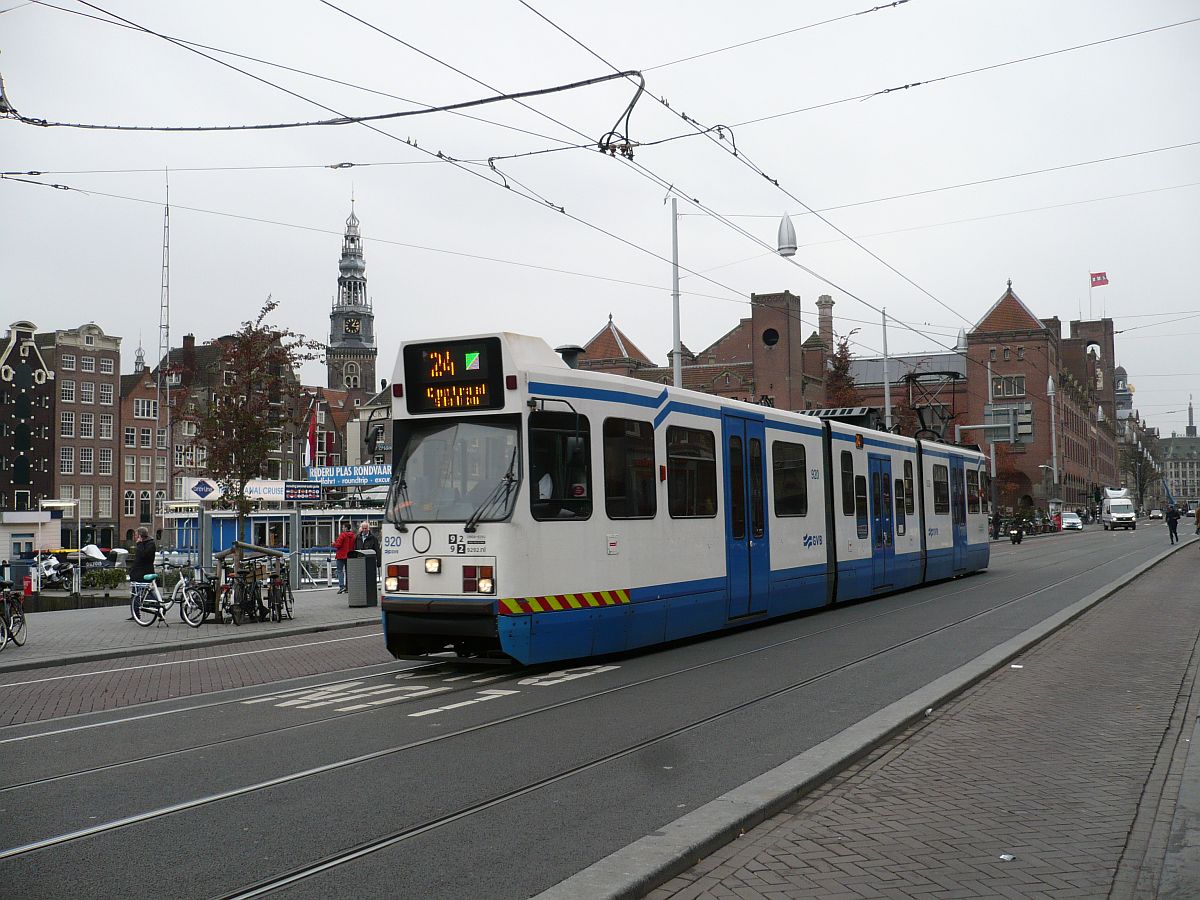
144, 552
366, 540
342, 546
1173, 523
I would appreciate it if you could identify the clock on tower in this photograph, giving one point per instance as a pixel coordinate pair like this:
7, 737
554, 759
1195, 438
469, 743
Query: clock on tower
353, 326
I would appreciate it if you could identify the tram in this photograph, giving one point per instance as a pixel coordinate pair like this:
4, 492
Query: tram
539, 512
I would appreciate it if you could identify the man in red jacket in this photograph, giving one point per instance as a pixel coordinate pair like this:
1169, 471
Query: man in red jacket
343, 545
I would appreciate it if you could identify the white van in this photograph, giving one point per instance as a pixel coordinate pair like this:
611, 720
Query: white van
1117, 510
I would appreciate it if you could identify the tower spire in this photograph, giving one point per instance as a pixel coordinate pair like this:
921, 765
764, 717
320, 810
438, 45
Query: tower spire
351, 356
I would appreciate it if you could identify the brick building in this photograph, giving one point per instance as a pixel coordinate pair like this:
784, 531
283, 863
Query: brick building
27, 401
144, 460
1024, 354
88, 365
763, 359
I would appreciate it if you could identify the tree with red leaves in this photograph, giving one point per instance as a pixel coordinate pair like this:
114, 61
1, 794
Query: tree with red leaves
840, 389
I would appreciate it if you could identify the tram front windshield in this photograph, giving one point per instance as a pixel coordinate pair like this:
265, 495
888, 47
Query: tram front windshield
450, 470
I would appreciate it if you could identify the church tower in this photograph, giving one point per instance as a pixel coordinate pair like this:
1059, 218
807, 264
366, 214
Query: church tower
350, 361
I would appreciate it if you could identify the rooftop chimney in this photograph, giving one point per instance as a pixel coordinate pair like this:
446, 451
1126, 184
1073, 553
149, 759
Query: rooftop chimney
570, 354
825, 320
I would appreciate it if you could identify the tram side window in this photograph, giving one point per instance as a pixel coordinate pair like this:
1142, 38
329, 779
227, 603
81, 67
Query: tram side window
629, 488
789, 482
910, 503
941, 490
847, 483
973, 497
860, 505
691, 473
560, 466
901, 500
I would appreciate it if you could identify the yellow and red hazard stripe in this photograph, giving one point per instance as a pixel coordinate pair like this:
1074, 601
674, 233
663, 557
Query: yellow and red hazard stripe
519, 606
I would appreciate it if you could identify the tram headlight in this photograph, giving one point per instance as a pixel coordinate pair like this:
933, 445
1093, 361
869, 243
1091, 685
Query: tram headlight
433, 566
397, 579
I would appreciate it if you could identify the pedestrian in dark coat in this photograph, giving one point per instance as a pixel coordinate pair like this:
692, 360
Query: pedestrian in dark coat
367, 540
144, 552
1173, 523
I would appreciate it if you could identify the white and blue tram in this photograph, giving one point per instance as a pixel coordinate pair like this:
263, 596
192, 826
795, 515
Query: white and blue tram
539, 512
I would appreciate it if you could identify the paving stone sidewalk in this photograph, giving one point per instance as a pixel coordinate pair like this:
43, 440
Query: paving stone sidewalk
1058, 776
79, 635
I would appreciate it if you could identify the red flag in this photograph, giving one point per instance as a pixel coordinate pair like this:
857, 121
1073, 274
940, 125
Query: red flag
1099, 279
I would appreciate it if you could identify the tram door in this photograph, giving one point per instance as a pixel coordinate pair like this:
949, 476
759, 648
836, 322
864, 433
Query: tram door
958, 513
883, 544
747, 553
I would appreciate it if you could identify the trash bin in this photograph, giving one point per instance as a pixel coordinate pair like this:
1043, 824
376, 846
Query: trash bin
362, 580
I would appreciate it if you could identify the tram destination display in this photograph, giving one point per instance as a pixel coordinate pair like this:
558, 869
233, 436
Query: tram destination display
454, 376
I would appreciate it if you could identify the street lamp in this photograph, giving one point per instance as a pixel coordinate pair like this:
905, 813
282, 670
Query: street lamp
65, 505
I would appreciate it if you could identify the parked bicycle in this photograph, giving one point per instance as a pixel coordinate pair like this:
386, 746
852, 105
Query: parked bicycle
195, 587
13, 626
148, 606
241, 595
280, 601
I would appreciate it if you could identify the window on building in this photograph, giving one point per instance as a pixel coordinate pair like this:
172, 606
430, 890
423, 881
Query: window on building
1007, 353
160, 470
66, 460
105, 462
847, 483
177, 487
160, 502
86, 496
629, 470
66, 362
105, 499
162, 439
1020, 353
106, 367
130, 503
131, 468
145, 409
144, 506
351, 378
89, 340
67, 392
189, 428
789, 478
691, 473
87, 392
130, 437
147, 437
66, 424
227, 378
87, 364
106, 395
992, 353
87, 425
145, 462
106, 426
87, 461
941, 490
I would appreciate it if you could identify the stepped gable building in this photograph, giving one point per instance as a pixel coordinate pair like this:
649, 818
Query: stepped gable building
27, 433
763, 359
352, 353
88, 366
1023, 353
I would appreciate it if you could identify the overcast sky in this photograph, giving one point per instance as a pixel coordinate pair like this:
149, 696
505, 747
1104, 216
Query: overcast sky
451, 250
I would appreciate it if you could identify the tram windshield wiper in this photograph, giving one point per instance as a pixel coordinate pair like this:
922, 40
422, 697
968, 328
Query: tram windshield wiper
501, 491
399, 500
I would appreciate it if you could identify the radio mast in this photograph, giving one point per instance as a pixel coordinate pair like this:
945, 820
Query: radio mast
163, 383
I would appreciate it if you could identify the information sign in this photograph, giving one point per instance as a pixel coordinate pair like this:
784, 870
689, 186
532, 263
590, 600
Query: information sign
451, 376
301, 491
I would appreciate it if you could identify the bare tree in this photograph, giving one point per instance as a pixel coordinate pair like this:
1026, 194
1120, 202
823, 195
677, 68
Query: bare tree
840, 389
256, 400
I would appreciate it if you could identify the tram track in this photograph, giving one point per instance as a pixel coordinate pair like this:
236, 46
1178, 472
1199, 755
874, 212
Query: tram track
376, 844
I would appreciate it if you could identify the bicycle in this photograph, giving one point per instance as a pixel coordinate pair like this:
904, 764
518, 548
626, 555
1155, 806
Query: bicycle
191, 592
280, 601
241, 597
148, 606
13, 626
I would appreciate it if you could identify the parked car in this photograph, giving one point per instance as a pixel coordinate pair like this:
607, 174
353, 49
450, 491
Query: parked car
1156, 513
1071, 522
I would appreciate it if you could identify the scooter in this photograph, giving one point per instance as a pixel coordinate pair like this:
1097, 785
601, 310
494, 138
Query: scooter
1016, 532
54, 574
